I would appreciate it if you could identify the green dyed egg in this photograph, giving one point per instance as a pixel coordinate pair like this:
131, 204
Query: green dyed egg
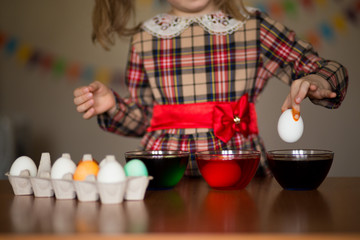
135, 168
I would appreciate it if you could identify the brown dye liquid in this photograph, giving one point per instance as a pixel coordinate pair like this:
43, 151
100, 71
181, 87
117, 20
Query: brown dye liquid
300, 175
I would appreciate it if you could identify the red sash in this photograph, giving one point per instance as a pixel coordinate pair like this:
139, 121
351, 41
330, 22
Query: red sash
225, 118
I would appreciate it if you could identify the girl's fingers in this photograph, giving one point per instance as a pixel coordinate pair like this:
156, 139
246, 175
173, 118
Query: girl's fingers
81, 91
316, 92
86, 89
83, 98
89, 113
85, 106
325, 94
287, 103
94, 86
332, 94
301, 92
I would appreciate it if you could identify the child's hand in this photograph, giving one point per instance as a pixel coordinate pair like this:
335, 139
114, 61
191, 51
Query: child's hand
311, 86
94, 99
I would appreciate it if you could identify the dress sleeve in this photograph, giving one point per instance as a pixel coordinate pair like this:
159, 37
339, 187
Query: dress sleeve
286, 57
133, 114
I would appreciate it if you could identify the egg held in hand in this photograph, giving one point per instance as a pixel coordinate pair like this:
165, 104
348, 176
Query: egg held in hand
135, 168
290, 130
110, 171
88, 166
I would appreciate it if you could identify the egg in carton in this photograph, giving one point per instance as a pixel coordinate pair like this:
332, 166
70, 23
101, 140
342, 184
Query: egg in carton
136, 187
111, 185
84, 179
19, 175
26, 179
62, 177
137, 180
111, 181
86, 190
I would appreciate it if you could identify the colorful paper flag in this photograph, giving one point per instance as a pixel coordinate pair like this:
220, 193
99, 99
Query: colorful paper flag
340, 23
46, 62
59, 67
88, 74
322, 3
326, 31
276, 10
290, 7
35, 58
11, 46
313, 38
262, 7
307, 4
73, 71
24, 53
2, 40
351, 15
103, 75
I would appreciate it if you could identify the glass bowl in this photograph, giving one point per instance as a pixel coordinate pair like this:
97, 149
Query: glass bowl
300, 169
166, 167
228, 169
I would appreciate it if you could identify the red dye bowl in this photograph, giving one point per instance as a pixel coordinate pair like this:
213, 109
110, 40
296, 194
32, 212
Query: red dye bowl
228, 169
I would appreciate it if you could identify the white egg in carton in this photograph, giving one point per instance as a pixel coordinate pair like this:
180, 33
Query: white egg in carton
47, 181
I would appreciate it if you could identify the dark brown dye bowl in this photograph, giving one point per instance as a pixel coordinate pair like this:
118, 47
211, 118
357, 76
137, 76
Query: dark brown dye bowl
300, 169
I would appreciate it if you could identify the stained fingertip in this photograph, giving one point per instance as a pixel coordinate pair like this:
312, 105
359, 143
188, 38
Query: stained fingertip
296, 114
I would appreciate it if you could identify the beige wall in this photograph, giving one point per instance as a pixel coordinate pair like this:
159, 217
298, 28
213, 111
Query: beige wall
44, 103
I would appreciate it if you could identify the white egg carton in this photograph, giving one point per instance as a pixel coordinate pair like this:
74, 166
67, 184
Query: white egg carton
89, 190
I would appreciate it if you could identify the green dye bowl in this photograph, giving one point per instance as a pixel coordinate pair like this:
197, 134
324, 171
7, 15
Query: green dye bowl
166, 167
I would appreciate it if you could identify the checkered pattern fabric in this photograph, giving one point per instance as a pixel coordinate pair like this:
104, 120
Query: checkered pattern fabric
197, 67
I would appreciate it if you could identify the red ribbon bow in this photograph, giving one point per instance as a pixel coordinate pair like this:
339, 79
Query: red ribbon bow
234, 117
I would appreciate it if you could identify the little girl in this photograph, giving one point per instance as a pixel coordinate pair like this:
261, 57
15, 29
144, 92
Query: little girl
195, 73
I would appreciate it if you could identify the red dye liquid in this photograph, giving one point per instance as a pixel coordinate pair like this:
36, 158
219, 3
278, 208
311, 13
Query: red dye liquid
228, 173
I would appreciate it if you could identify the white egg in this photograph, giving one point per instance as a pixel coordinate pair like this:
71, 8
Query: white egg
289, 129
107, 158
23, 163
110, 171
62, 166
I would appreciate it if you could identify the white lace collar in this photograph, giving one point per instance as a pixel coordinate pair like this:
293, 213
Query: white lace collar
169, 26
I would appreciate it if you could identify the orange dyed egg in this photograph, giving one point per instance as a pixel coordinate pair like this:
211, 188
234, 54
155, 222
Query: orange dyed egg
87, 166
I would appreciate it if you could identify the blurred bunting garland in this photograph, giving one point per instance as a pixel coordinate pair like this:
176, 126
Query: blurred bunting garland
324, 30
27, 55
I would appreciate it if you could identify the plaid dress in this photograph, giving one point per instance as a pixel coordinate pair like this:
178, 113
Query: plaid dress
211, 58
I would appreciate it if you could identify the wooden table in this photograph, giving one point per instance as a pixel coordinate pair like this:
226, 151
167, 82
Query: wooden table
262, 211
